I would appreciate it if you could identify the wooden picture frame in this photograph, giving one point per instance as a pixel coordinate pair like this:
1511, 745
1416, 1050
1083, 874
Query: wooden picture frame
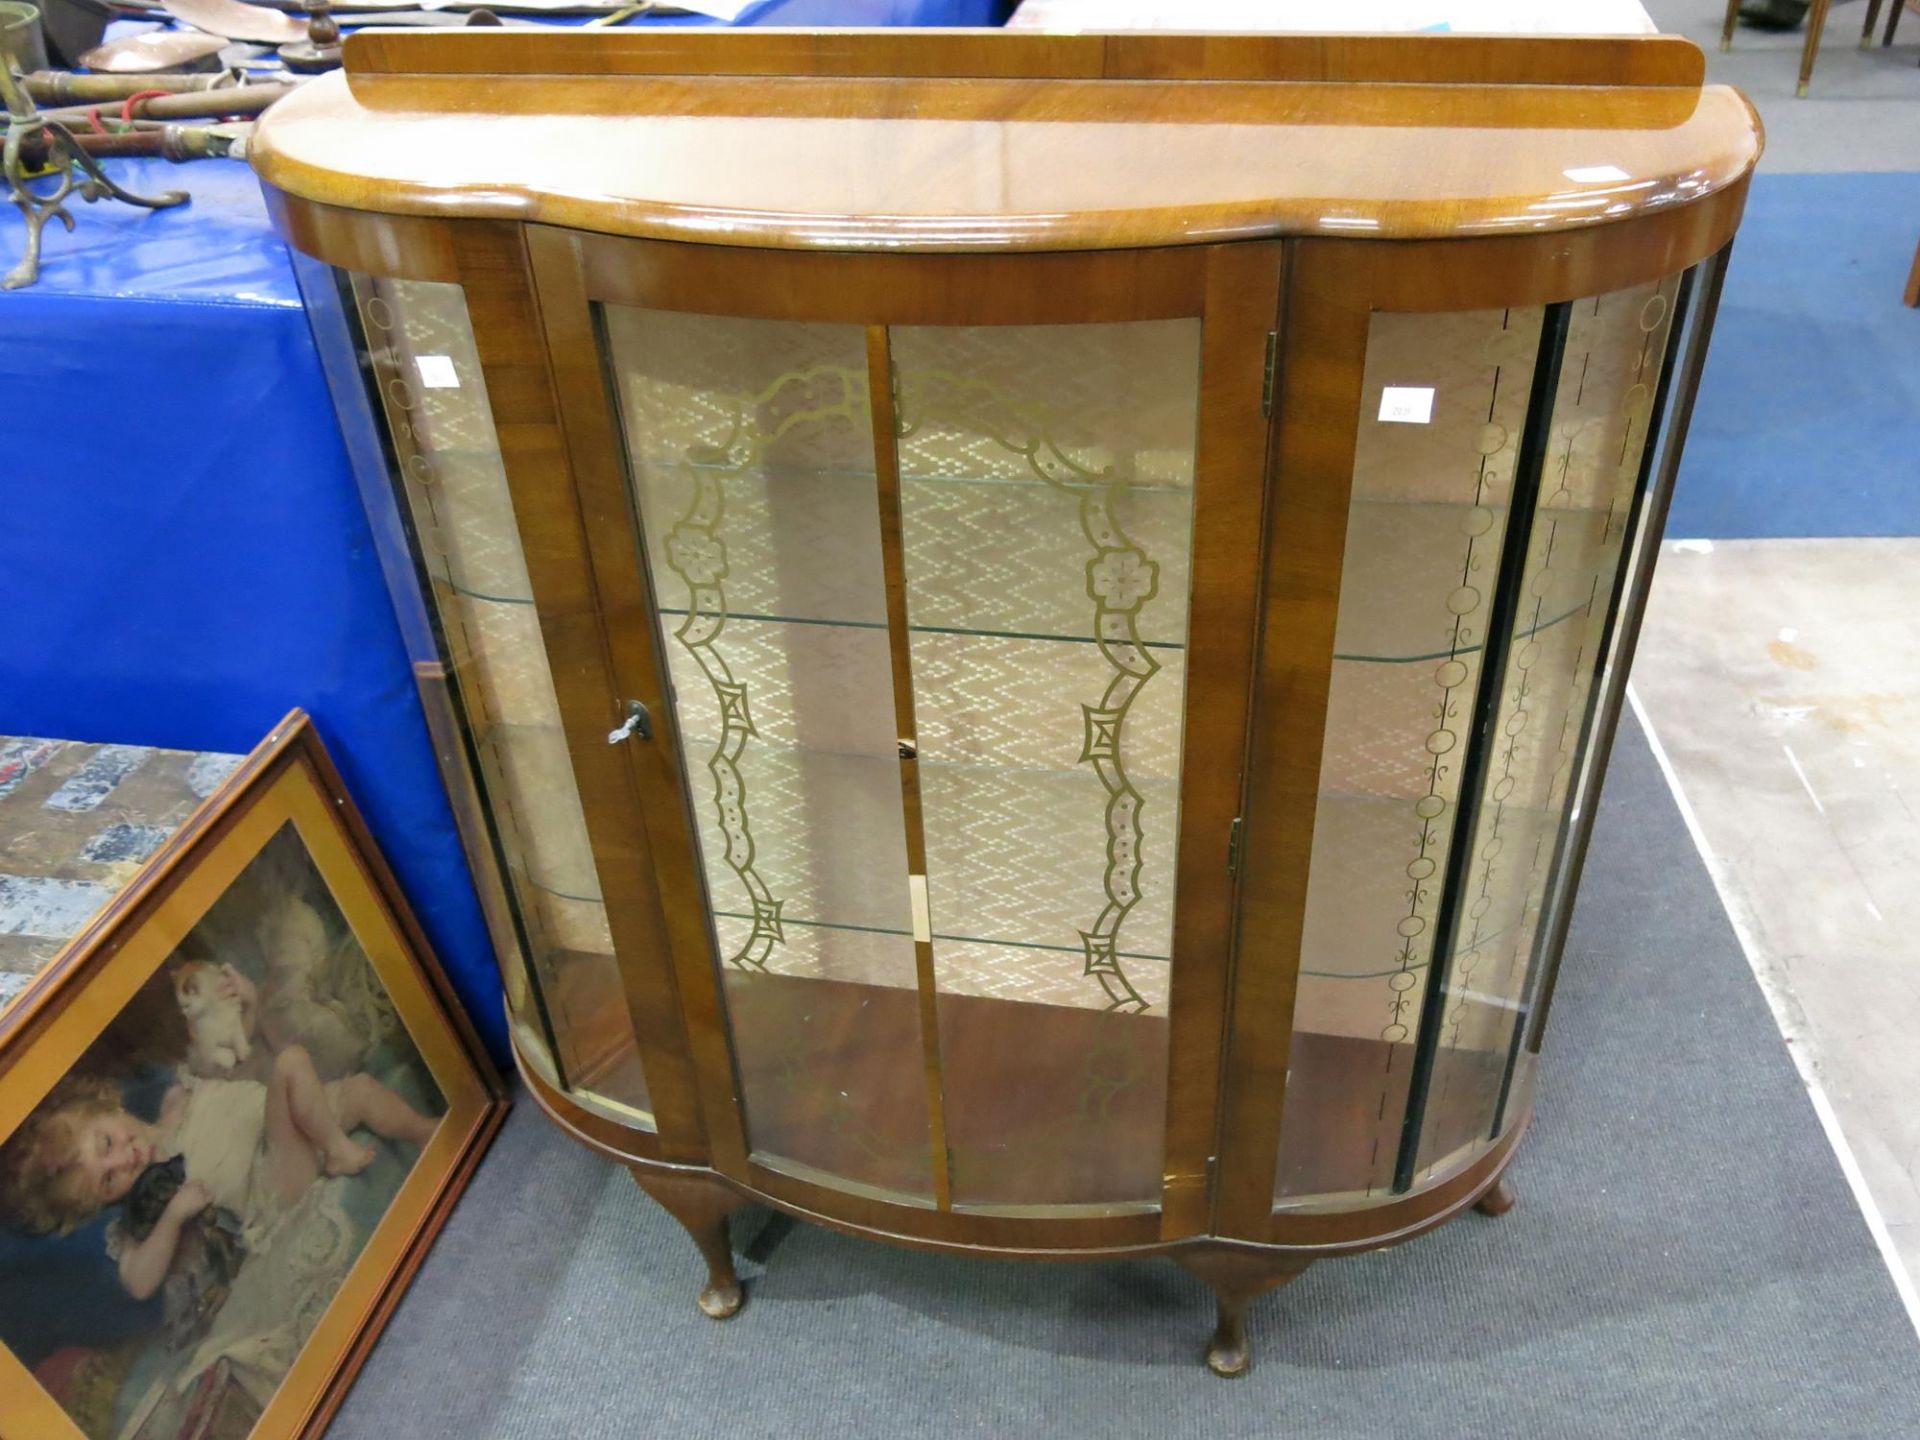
282, 832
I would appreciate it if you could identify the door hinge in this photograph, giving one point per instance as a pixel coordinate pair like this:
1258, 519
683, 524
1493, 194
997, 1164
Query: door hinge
1233, 847
1272, 365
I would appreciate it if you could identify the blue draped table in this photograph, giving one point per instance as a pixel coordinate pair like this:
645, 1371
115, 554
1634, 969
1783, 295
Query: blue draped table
183, 554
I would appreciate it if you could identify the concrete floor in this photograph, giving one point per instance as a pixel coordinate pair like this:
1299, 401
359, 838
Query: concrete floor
1782, 678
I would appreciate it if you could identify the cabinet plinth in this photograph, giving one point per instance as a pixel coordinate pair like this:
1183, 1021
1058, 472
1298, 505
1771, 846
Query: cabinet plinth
1003, 701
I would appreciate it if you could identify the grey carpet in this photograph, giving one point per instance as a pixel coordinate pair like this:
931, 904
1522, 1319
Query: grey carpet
1685, 1260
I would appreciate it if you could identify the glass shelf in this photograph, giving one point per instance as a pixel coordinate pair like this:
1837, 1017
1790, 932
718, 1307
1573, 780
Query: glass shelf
748, 617
735, 616
1075, 630
480, 596
982, 556
1041, 877
1475, 648
1010, 703
1419, 576
939, 936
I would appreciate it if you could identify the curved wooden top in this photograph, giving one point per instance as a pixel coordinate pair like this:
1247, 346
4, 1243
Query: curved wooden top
959, 141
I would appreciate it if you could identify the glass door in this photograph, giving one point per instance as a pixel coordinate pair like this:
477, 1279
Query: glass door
923, 600
1046, 498
750, 452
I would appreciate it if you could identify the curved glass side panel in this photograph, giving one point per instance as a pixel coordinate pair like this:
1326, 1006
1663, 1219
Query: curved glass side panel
1687, 335
1463, 753
1443, 405
1610, 371
497, 722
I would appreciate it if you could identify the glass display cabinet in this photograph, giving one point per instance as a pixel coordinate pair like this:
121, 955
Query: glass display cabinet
1024, 628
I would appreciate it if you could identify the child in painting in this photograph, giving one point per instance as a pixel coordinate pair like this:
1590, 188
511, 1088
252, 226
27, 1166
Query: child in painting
250, 1147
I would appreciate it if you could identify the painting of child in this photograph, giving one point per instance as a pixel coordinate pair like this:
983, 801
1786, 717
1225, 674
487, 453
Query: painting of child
208, 1172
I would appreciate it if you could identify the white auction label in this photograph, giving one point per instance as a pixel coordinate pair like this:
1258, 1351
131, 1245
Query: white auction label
436, 372
1407, 404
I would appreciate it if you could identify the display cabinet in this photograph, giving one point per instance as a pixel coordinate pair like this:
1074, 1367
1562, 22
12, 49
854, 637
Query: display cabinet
1025, 628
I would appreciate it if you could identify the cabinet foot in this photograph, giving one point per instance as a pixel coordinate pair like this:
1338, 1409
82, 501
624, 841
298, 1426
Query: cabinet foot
1497, 1199
1236, 1279
702, 1207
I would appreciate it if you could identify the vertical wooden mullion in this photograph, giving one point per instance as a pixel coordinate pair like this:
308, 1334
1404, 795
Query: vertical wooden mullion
886, 462
681, 955
1323, 351
1240, 304
532, 333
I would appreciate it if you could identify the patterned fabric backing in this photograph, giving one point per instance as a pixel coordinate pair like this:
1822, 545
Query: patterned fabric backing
76, 824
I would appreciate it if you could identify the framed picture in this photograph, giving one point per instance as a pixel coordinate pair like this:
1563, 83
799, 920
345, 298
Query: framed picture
234, 1112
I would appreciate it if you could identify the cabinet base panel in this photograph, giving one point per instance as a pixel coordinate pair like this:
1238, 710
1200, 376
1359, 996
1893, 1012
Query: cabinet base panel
1237, 1270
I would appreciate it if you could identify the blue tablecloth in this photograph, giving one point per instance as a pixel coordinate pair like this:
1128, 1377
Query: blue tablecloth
183, 554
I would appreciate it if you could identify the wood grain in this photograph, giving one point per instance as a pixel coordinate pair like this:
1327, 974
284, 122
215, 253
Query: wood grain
1230, 501
559, 540
1000, 54
1323, 357
970, 179
953, 142
1075, 1227
893, 562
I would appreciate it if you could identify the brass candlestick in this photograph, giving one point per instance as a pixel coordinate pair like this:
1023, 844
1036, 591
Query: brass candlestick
52, 151
321, 49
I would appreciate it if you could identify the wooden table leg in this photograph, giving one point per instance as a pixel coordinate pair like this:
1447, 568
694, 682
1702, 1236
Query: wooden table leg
1726, 30
1873, 14
1913, 279
1816, 22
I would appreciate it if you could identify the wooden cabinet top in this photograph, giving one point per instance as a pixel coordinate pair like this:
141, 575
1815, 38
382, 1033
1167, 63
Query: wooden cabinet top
984, 140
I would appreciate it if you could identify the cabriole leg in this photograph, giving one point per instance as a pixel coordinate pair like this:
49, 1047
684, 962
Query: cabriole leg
1496, 1199
1237, 1278
702, 1207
